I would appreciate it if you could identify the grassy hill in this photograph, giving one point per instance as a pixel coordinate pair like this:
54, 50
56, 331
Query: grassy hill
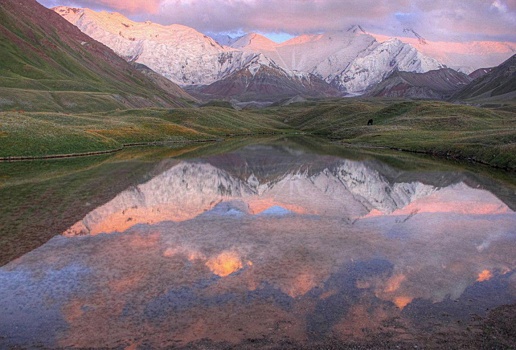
47, 133
439, 128
47, 64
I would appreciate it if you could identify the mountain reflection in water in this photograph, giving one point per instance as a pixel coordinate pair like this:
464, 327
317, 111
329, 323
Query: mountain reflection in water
266, 244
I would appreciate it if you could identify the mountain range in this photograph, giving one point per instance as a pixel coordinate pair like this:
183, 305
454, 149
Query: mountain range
254, 68
464, 57
348, 61
498, 83
105, 59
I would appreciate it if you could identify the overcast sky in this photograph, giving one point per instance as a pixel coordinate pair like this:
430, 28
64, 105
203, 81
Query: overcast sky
447, 20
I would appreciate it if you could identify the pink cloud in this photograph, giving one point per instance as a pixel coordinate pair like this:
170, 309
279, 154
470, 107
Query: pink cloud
133, 6
434, 19
126, 7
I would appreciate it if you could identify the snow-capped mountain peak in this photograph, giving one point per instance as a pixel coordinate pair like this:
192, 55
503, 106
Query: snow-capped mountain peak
255, 41
350, 60
378, 61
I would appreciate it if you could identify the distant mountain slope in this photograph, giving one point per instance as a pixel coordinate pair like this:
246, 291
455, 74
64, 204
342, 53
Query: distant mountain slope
499, 83
254, 41
436, 84
162, 82
479, 73
260, 82
48, 64
222, 39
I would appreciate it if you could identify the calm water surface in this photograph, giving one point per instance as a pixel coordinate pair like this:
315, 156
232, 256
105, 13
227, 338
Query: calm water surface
269, 245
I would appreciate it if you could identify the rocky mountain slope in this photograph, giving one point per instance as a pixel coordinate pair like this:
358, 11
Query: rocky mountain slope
437, 84
48, 64
177, 52
260, 82
479, 73
499, 83
163, 82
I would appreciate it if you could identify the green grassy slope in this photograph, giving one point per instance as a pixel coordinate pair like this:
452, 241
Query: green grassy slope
47, 64
46, 133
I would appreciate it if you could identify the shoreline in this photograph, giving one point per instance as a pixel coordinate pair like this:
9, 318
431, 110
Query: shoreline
449, 155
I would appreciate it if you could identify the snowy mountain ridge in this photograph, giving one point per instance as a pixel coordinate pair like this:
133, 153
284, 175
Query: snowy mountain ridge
464, 57
177, 52
349, 60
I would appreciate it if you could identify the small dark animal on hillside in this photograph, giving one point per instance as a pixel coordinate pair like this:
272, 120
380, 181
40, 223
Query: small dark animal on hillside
370, 122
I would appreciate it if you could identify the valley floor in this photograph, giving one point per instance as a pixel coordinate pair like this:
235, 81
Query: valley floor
484, 135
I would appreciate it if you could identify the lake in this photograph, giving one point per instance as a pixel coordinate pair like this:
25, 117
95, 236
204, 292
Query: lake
273, 243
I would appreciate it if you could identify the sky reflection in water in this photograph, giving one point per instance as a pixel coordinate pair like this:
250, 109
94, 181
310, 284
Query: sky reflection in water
266, 243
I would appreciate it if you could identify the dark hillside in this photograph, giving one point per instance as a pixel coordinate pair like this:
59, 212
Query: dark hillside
498, 83
436, 84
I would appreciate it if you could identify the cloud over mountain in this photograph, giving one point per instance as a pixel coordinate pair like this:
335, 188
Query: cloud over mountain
437, 19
